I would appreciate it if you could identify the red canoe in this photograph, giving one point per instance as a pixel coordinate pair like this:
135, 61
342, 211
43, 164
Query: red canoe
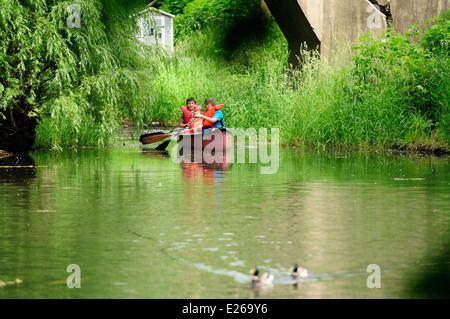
215, 139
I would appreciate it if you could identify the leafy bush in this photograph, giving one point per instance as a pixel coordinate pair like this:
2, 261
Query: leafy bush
200, 14
437, 36
416, 70
175, 7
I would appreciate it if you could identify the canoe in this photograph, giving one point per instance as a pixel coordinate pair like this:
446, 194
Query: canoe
214, 139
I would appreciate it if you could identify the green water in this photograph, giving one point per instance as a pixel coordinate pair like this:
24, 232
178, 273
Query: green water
140, 225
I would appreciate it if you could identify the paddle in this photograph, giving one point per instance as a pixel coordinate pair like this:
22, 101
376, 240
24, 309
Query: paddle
159, 136
163, 145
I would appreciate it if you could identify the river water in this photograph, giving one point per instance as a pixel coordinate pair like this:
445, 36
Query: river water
139, 224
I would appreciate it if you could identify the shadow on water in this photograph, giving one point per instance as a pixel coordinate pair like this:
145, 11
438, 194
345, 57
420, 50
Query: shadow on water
435, 282
16, 168
153, 153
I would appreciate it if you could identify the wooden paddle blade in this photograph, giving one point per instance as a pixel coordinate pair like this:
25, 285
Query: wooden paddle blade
154, 138
150, 134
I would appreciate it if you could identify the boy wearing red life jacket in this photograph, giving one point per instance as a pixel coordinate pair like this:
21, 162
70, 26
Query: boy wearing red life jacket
213, 117
188, 111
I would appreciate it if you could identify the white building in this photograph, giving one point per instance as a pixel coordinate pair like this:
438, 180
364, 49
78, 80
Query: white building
156, 27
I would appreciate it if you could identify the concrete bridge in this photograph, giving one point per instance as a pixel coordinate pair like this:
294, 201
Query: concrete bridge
330, 25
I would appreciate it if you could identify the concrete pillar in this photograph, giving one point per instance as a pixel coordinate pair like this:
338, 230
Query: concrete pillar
295, 27
333, 25
346, 21
406, 13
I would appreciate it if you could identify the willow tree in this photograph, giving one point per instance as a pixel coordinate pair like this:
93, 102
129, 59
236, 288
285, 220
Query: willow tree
71, 67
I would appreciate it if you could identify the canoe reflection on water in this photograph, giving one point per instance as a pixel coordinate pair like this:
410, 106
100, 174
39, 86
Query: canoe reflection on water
209, 166
197, 163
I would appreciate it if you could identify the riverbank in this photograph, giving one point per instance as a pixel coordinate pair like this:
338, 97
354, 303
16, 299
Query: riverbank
131, 132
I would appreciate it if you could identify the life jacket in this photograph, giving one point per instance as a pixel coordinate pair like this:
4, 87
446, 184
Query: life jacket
210, 113
188, 114
194, 124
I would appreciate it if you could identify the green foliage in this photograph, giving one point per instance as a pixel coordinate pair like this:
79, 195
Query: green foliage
406, 75
437, 36
76, 79
200, 14
175, 7
379, 59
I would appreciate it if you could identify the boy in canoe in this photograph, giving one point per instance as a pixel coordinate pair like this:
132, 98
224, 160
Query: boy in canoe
188, 111
213, 117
